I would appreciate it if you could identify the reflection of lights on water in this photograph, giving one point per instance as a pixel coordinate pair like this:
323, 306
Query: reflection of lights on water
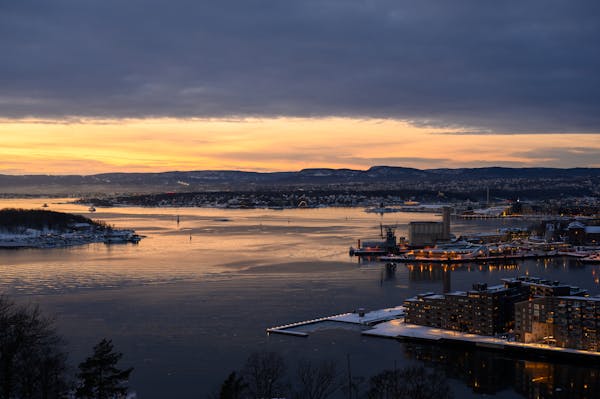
595, 276
538, 379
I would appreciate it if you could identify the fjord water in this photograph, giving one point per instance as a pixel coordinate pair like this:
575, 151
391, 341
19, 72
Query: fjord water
189, 303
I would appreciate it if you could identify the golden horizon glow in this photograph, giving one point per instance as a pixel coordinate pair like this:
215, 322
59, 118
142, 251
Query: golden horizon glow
92, 146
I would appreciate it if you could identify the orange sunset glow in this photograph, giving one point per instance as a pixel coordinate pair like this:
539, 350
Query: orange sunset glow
268, 144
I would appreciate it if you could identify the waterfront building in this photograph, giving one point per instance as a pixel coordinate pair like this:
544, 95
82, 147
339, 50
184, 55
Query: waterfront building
563, 321
541, 287
580, 234
422, 234
503, 235
484, 310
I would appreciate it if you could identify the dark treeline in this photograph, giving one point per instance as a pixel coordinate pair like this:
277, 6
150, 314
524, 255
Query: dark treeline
15, 220
335, 197
266, 375
275, 198
34, 363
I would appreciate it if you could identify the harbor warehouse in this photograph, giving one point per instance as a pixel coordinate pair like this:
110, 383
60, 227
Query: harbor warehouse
422, 234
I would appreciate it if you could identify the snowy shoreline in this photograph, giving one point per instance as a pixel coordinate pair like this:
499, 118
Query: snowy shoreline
31, 238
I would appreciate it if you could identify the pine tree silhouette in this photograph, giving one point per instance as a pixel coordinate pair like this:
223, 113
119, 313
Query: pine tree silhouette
99, 376
233, 387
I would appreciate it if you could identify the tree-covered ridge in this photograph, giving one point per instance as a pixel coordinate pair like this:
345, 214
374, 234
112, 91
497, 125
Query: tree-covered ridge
16, 220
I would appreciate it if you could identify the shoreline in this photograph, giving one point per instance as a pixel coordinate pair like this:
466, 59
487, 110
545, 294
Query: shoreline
398, 329
389, 323
64, 240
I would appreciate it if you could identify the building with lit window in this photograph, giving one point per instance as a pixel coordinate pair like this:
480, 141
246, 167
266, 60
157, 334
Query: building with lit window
486, 310
483, 310
563, 321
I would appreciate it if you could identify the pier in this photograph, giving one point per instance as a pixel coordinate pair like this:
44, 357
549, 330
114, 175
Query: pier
389, 323
358, 317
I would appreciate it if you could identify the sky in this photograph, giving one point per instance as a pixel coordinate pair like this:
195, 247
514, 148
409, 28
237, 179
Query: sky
90, 86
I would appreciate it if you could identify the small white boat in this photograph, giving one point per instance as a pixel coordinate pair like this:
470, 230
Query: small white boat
92, 209
121, 237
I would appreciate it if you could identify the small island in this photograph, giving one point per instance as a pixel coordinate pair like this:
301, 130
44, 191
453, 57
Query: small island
33, 228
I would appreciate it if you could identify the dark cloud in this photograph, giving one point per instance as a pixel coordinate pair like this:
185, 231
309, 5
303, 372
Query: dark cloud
509, 66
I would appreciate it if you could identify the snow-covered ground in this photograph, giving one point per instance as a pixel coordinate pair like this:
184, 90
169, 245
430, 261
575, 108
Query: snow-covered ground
399, 329
374, 316
31, 238
38, 239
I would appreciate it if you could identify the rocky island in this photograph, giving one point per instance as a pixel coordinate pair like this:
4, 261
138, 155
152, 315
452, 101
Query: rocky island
32, 228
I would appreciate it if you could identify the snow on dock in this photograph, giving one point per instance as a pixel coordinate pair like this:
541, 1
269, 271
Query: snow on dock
371, 317
358, 317
399, 329
389, 323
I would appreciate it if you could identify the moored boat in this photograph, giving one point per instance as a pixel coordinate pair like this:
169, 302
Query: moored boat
121, 237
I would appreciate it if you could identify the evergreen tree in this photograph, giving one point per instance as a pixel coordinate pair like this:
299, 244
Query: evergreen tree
99, 377
233, 387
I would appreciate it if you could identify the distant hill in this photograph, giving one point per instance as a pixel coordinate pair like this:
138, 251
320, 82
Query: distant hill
239, 180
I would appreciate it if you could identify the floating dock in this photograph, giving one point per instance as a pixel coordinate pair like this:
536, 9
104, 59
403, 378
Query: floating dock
357, 318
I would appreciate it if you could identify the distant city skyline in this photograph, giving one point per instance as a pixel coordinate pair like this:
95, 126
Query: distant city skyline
112, 86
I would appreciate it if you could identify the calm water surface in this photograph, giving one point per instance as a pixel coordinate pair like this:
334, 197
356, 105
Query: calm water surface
192, 300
